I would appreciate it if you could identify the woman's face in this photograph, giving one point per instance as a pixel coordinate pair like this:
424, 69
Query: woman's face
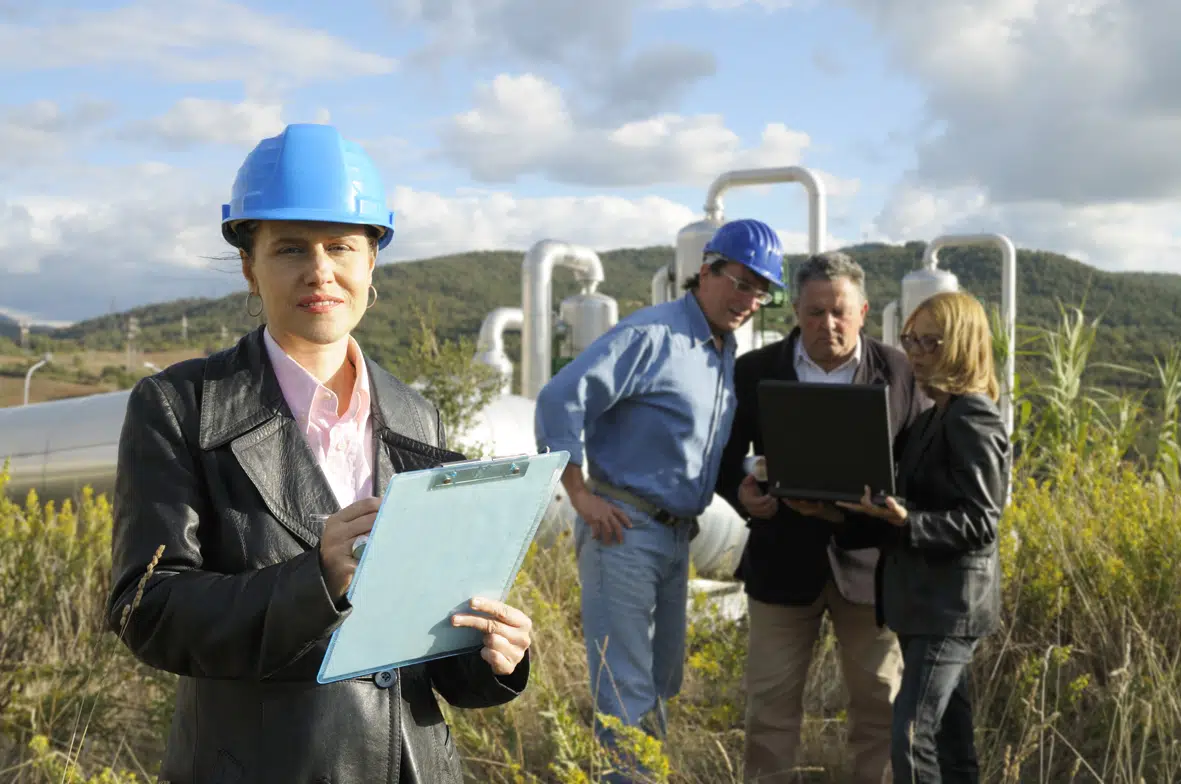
924, 345
313, 278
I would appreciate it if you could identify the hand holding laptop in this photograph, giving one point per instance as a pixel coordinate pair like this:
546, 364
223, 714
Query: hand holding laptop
892, 512
764, 505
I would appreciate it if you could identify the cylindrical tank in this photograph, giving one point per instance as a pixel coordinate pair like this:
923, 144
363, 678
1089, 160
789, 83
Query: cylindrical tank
890, 324
715, 552
921, 283
662, 284
691, 240
587, 316
62, 445
717, 549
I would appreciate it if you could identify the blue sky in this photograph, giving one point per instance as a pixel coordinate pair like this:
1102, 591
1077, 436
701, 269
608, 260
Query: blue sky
501, 122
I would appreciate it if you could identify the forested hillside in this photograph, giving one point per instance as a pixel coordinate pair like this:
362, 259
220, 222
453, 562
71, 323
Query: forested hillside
1139, 312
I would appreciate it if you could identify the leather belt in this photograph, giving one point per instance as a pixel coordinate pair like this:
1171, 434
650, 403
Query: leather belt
662, 516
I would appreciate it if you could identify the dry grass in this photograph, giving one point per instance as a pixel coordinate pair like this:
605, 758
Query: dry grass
78, 365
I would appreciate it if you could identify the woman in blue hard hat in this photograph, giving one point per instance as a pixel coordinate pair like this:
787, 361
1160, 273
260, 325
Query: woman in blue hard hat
225, 570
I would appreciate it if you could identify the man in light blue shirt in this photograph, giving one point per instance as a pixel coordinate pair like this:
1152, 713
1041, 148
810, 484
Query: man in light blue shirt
654, 398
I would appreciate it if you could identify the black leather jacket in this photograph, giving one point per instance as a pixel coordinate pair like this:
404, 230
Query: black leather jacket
939, 574
213, 466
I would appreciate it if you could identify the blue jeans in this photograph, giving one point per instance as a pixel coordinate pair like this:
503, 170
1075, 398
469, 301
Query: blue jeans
634, 597
932, 737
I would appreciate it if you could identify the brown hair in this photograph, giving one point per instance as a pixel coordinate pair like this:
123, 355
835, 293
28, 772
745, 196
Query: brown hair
965, 364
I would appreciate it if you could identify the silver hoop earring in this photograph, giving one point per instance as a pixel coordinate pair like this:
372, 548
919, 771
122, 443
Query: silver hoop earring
249, 312
373, 289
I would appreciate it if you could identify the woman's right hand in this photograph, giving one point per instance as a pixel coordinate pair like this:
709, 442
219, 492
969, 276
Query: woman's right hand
336, 543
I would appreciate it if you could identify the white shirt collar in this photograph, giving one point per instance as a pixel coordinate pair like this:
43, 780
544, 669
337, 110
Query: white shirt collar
803, 358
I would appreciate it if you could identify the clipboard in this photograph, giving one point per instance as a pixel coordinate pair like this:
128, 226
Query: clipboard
442, 536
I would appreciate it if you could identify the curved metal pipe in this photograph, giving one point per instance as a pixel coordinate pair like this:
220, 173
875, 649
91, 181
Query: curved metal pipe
1008, 302
490, 343
29, 375
537, 303
817, 212
495, 324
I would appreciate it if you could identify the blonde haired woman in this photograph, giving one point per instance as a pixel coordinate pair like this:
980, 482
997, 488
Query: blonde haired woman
938, 581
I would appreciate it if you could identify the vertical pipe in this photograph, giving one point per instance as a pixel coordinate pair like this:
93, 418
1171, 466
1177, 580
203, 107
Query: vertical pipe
537, 304
1008, 303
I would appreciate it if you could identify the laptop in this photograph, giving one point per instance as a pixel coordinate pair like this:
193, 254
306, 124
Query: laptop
826, 442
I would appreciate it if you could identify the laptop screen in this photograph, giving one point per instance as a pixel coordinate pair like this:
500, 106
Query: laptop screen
826, 441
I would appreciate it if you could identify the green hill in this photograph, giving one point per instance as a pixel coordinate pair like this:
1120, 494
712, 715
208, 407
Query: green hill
1139, 312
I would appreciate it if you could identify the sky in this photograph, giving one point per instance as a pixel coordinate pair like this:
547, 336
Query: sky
499, 123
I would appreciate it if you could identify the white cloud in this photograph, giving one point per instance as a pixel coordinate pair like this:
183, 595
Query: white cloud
1119, 236
42, 130
431, 224
725, 5
585, 44
195, 121
522, 125
159, 239
194, 41
1055, 122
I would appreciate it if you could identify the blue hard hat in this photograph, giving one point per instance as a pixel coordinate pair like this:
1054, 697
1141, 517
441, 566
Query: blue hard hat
308, 173
751, 243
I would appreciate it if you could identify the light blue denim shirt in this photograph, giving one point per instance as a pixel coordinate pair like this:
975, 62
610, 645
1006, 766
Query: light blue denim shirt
654, 397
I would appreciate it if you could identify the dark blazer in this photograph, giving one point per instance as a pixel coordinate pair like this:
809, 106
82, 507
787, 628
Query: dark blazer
213, 466
939, 575
789, 558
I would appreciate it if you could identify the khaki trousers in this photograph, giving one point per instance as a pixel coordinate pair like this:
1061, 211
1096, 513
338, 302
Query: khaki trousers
778, 656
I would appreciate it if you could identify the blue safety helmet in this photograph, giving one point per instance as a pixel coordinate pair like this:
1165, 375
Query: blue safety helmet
308, 173
751, 243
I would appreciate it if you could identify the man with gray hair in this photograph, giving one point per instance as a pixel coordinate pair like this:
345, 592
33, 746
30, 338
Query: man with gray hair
793, 572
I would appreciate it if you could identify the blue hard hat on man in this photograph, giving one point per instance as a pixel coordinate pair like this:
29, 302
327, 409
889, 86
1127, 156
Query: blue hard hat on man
309, 172
751, 243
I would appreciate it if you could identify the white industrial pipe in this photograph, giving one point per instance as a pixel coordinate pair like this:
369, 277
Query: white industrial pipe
1008, 302
490, 343
890, 324
29, 375
537, 304
662, 284
817, 213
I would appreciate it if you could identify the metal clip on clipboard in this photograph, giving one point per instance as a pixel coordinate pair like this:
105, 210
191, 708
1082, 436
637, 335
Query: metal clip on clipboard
442, 536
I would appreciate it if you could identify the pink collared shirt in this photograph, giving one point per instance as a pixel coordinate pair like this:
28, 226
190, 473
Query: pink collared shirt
342, 445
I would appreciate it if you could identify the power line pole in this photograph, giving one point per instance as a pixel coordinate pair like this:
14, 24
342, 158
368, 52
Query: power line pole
184, 328
132, 334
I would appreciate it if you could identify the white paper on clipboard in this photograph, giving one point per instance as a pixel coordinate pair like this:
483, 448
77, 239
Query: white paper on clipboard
442, 536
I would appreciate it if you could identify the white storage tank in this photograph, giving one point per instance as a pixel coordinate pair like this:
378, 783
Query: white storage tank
920, 284
691, 241
62, 445
586, 316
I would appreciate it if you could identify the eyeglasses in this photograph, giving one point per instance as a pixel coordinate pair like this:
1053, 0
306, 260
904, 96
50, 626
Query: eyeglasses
927, 343
760, 296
